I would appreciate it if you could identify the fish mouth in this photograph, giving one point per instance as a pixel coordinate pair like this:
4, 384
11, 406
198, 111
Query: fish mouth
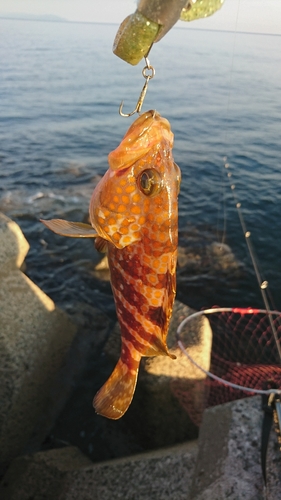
147, 131
147, 120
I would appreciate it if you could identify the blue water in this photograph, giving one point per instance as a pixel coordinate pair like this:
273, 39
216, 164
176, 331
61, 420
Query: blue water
60, 89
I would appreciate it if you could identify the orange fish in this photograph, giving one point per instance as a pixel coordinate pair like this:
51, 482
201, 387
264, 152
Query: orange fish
134, 217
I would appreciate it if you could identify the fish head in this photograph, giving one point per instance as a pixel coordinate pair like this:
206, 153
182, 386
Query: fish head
141, 184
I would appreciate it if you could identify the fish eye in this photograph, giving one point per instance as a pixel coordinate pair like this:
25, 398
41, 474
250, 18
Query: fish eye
149, 182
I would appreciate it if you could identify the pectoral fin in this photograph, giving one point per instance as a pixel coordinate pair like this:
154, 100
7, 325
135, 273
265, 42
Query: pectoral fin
101, 245
71, 229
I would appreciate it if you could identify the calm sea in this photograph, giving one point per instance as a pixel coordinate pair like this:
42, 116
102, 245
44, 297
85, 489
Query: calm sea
60, 89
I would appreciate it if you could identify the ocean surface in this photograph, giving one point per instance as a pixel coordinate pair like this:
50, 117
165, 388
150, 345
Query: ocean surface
60, 89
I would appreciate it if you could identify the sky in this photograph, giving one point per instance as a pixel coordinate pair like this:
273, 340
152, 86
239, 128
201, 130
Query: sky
258, 16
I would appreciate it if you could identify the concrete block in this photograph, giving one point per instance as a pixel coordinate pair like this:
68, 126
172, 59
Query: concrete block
228, 464
65, 474
14, 247
69, 392
34, 338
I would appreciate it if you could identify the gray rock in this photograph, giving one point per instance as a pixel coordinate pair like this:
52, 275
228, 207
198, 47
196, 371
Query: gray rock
222, 257
66, 474
228, 463
103, 264
34, 338
188, 258
198, 255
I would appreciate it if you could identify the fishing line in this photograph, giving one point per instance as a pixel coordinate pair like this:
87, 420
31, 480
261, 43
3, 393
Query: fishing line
230, 82
222, 209
226, 141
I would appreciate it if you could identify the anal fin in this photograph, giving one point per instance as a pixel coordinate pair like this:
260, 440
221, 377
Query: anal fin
158, 349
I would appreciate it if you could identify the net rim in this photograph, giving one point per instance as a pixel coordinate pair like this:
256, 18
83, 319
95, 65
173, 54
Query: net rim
237, 310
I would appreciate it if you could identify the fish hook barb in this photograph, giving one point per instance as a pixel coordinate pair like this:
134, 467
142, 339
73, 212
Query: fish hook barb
148, 73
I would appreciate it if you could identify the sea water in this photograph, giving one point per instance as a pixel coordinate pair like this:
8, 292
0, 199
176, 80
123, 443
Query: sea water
60, 89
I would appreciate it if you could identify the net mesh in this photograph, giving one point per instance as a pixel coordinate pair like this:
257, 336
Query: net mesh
243, 352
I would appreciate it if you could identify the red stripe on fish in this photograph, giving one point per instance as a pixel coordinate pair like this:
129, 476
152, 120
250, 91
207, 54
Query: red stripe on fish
134, 331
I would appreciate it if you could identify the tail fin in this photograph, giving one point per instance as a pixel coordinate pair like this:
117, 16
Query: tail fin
115, 396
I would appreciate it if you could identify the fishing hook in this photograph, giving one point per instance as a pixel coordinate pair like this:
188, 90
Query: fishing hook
147, 76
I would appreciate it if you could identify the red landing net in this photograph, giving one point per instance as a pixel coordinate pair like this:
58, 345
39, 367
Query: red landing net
244, 353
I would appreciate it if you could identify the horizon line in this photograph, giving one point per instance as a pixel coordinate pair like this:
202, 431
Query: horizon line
44, 18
